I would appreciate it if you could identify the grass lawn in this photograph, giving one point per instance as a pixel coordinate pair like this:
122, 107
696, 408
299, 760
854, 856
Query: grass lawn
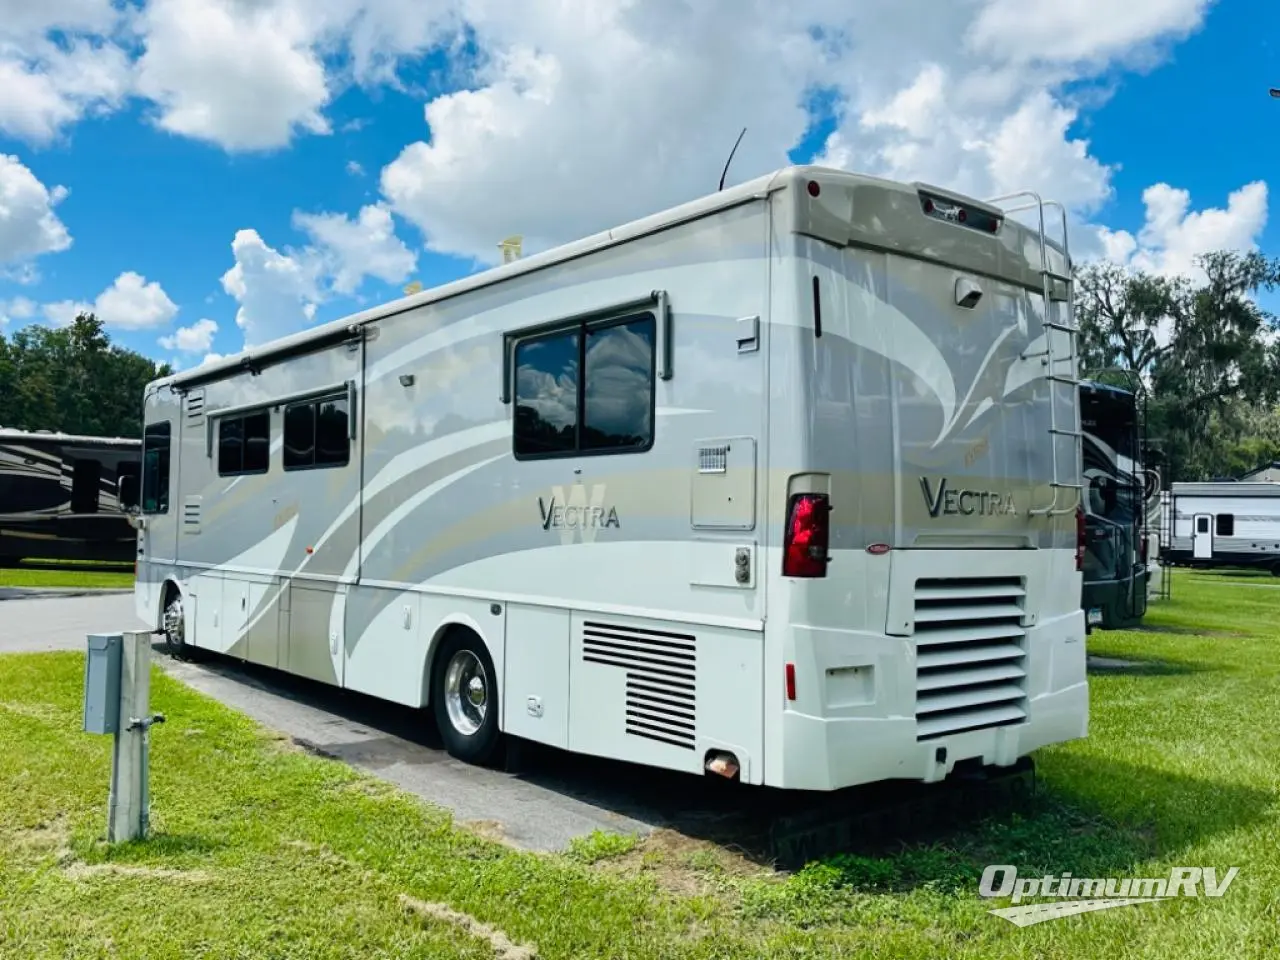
66, 573
260, 850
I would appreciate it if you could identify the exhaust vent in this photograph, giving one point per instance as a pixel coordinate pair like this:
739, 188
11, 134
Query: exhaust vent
661, 670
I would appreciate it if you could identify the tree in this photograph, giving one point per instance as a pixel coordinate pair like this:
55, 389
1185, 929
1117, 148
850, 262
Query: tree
1199, 354
74, 380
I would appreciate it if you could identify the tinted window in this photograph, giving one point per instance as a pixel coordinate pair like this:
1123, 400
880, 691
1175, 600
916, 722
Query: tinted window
547, 395
155, 468
619, 386
244, 443
86, 477
608, 408
1226, 524
317, 434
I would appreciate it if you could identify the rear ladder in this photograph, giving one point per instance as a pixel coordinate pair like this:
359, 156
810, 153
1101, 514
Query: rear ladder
1048, 277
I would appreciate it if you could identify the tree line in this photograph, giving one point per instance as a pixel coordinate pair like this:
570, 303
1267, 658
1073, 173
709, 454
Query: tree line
73, 380
1201, 355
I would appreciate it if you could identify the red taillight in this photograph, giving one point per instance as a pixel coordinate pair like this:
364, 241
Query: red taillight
791, 681
804, 549
1080, 533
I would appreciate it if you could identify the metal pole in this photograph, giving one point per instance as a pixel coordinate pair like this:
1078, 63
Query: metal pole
127, 808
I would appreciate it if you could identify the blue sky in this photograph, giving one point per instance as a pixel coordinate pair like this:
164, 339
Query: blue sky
157, 195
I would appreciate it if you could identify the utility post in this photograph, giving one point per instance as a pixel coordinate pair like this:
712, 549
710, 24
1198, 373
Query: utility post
116, 701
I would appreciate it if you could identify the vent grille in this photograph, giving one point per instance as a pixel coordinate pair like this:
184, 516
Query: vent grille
713, 459
661, 672
191, 515
970, 654
195, 405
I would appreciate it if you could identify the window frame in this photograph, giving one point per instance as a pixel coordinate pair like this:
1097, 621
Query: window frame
315, 401
241, 416
583, 327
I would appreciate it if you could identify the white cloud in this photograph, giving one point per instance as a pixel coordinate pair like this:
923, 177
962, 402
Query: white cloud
130, 303
355, 169
579, 118
28, 225
1174, 234
197, 338
17, 308
244, 76
45, 85
354, 249
277, 292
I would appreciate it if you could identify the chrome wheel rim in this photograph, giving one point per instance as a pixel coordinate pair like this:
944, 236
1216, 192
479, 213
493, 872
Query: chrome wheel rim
466, 692
173, 622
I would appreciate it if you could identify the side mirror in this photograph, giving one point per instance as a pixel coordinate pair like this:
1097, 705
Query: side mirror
127, 492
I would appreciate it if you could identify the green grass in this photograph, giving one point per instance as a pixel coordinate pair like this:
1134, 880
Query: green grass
67, 573
260, 850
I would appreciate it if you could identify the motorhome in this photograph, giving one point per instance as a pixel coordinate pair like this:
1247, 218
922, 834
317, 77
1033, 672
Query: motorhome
65, 497
1116, 543
781, 485
1225, 524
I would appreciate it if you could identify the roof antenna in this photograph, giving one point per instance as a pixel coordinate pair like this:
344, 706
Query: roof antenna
724, 172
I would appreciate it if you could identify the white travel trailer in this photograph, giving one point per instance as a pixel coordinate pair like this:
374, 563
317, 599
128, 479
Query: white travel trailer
780, 484
1225, 524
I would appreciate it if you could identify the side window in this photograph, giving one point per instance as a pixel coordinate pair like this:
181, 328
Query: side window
608, 408
86, 482
1202, 525
243, 443
1226, 523
156, 440
317, 434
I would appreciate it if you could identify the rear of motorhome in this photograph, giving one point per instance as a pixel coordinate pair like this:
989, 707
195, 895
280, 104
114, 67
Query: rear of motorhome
1116, 542
1225, 524
65, 497
781, 484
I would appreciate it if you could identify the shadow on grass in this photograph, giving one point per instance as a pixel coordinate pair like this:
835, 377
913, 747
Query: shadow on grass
1108, 817
1104, 663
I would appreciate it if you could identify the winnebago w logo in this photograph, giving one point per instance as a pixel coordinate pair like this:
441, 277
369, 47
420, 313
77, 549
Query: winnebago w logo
577, 517
958, 500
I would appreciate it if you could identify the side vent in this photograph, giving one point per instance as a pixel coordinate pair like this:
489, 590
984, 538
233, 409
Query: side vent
191, 514
195, 405
660, 678
713, 459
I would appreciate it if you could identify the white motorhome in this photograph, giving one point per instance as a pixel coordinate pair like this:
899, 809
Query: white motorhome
780, 484
1225, 524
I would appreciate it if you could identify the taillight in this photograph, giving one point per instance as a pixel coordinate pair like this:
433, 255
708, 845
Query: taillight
791, 681
1080, 533
804, 548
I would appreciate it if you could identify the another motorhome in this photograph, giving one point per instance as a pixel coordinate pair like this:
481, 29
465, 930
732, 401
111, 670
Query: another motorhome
1226, 524
1115, 553
65, 497
779, 485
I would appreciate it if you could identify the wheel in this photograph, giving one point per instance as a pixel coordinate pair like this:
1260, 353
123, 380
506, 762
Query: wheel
175, 625
466, 698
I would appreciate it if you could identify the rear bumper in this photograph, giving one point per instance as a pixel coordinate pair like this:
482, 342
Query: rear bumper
832, 753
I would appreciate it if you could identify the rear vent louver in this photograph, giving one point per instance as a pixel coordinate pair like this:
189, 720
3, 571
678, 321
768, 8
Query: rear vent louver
970, 654
195, 405
660, 678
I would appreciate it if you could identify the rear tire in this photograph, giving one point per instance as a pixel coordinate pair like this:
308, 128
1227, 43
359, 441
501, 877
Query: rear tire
465, 697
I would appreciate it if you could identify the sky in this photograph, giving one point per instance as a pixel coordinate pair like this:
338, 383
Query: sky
207, 175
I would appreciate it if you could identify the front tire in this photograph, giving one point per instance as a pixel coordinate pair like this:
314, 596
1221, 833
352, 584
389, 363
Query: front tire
464, 692
174, 623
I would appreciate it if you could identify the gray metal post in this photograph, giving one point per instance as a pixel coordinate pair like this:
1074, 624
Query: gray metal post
129, 800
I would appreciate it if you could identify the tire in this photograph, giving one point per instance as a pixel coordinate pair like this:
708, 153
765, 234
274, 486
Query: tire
465, 698
174, 623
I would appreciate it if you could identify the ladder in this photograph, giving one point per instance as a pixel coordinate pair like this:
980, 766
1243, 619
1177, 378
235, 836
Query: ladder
1066, 326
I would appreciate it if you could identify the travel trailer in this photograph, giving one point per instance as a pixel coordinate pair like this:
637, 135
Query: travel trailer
65, 497
1227, 524
1116, 542
780, 485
